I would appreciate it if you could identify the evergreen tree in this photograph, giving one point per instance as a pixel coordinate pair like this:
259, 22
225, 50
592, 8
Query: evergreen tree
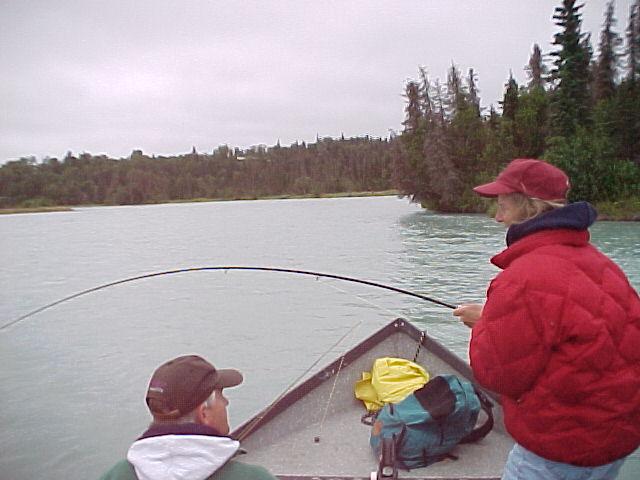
531, 123
407, 166
413, 108
536, 70
509, 104
442, 187
605, 74
570, 100
633, 43
425, 93
474, 99
493, 119
509, 101
456, 95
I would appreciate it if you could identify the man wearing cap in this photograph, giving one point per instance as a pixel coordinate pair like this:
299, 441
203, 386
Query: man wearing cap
559, 334
188, 438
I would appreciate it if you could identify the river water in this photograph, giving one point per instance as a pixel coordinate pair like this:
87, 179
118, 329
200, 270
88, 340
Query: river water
73, 377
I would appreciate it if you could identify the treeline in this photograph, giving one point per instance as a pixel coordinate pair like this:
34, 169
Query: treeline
582, 114
327, 166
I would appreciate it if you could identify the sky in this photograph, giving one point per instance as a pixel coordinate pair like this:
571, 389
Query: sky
164, 76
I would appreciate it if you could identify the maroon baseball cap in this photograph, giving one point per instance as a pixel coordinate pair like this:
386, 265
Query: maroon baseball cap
533, 178
178, 386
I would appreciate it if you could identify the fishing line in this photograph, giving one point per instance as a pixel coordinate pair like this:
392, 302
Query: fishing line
364, 300
250, 427
200, 269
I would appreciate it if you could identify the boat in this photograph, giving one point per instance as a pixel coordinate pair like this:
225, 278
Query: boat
315, 431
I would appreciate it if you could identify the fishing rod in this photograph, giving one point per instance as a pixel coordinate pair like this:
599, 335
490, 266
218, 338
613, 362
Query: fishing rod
200, 269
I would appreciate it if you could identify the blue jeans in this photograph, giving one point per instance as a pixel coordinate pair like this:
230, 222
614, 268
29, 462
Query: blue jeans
525, 465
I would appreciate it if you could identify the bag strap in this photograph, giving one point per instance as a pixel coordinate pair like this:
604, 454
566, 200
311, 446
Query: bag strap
481, 431
369, 418
387, 467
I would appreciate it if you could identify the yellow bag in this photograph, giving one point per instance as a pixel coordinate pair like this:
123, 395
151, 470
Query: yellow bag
390, 381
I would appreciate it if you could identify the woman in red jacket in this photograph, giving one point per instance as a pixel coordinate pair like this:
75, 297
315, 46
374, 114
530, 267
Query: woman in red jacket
559, 334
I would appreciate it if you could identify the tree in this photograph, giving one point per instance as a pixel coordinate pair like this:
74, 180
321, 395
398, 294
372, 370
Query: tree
510, 99
606, 66
588, 158
570, 99
456, 95
633, 43
531, 123
474, 99
407, 166
413, 108
536, 70
509, 105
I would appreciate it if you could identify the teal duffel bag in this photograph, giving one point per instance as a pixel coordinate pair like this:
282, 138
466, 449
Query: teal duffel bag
430, 422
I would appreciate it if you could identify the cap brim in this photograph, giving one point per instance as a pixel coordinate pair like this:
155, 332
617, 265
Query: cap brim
493, 189
228, 377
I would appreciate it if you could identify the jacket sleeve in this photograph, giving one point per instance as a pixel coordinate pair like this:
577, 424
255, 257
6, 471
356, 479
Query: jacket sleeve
512, 341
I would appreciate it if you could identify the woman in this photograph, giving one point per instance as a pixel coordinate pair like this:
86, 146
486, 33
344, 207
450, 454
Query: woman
559, 334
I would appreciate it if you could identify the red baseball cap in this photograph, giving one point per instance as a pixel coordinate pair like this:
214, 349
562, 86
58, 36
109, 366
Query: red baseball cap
533, 178
180, 385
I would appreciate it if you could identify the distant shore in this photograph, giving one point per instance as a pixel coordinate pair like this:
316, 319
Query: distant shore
10, 211
622, 211
66, 208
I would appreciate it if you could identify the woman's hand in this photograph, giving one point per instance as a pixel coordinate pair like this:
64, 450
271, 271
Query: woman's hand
469, 313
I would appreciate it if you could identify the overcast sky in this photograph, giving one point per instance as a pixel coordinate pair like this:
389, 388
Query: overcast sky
163, 76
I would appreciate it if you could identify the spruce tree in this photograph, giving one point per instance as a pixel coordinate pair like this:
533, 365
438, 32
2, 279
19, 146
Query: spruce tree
633, 43
407, 166
474, 99
413, 108
570, 100
605, 72
536, 69
510, 99
456, 95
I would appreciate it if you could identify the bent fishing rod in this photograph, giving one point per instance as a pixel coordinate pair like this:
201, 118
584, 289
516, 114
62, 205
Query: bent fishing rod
225, 268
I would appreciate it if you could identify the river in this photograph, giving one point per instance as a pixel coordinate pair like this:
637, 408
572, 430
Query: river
73, 377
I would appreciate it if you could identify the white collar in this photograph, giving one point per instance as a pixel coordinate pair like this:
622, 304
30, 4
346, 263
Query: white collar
180, 457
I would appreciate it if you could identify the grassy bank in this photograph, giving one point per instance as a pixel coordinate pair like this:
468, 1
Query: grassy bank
384, 193
623, 210
7, 211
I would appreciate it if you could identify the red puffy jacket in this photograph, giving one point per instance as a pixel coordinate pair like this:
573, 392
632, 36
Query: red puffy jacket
559, 339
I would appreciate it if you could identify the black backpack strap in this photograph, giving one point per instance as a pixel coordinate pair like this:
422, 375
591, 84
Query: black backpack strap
481, 431
387, 467
398, 440
369, 418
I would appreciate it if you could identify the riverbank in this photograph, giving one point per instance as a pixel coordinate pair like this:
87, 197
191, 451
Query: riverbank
44, 209
619, 211
623, 210
10, 211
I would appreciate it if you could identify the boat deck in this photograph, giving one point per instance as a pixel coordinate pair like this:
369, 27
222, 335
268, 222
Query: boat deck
315, 431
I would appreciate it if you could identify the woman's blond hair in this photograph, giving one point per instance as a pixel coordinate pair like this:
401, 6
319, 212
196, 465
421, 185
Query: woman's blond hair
529, 207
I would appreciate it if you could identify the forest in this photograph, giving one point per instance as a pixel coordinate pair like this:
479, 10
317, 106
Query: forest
580, 111
327, 166
581, 114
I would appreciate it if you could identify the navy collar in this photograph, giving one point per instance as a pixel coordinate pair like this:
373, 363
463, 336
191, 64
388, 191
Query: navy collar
575, 216
158, 430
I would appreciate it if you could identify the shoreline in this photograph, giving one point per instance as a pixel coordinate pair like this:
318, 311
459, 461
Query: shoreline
607, 211
70, 208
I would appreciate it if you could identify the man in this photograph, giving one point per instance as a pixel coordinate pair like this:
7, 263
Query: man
188, 438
